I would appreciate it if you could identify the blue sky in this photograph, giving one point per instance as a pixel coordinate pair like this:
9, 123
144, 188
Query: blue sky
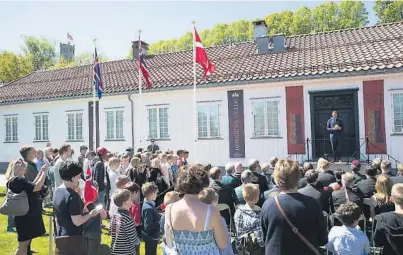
115, 24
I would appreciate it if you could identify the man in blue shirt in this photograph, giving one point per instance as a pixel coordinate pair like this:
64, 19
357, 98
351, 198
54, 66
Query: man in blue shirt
335, 127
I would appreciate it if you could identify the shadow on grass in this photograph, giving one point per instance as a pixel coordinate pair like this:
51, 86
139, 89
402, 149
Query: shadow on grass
104, 250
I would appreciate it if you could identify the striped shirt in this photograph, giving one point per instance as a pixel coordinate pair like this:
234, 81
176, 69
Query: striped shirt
124, 235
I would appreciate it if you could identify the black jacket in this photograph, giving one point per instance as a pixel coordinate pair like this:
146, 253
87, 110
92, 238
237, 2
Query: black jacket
153, 148
367, 186
326, 178
136, 176
99, 174
339, 197
318, 193
263, 185
225, 196
151, 221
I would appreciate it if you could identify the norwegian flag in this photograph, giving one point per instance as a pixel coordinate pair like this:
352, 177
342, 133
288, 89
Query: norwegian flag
90, 193
201, 56
88, 174
97, 76
143, 66
69, 37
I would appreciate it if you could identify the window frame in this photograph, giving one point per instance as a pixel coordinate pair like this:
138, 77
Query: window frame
117, 133
75, 126
13, 130
158, 128
208, 122
397, 92
41, 127
265, 117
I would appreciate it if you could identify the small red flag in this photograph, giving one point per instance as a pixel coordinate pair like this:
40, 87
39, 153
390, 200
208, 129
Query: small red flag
89, 173
90, 193
201, 56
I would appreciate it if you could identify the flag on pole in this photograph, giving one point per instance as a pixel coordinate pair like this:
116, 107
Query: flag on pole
97, 76
143, 66
69, 37
201, 56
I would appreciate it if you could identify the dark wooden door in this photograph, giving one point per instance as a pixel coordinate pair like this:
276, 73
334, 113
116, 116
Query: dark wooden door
346, 106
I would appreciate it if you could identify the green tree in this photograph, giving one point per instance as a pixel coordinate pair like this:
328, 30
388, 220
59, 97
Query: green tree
42, 51
301, 21
389, 11
216, 35
185, 42
279, 23
352, 14
325, 17
13, 66
241, 30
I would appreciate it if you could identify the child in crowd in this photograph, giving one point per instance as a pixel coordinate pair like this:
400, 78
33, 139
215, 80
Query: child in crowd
113, 168
120, 182
92, 229
135, 209
247, 219
210, 197
164, 166
347, 239
150, 218
173, 167
169, 198
122, 228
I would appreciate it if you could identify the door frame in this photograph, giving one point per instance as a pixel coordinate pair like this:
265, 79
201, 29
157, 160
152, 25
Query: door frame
314, 94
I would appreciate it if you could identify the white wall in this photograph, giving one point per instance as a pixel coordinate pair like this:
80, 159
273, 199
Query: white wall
181, 127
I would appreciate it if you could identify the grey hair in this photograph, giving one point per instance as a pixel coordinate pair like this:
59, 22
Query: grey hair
229, 168
238, 165
246, 176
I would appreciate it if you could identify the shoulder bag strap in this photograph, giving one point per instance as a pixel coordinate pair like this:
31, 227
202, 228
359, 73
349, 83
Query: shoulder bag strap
294, 229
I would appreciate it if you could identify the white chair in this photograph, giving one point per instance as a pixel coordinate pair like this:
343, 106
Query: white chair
223, 207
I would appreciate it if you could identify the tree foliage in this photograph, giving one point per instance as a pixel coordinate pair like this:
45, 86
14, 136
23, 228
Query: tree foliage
82, 59
324, 17
42, 51
13, 66
389, 11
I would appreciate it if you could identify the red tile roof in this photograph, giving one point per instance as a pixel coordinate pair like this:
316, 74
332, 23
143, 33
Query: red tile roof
336, 52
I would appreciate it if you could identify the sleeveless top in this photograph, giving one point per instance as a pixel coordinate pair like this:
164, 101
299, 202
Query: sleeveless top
196, 243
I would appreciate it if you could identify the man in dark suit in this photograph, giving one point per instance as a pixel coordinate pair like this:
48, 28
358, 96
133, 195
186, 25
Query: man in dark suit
335, 127
315, 190
399, 177
229, 179
326, 177
354, 194
153, 147
225, 195
367, 186
257, 178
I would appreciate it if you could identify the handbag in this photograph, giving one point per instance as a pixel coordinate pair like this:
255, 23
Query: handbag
68, 245
168, 250
294, 229
15, 204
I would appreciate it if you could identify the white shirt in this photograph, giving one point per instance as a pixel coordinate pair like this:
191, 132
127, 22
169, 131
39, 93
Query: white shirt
113, 176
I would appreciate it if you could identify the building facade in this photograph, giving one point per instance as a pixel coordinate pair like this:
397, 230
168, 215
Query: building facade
256, 104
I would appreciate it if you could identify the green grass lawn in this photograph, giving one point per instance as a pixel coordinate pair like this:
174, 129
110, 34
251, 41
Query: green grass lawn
8, 241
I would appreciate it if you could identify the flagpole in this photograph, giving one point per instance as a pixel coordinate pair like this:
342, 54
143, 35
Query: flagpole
140, 91
194, 96
94, 95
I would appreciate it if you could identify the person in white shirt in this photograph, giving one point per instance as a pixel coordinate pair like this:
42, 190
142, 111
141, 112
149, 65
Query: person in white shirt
113, 168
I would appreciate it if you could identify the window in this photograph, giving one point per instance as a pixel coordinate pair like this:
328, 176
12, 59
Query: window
114, 124
398, 112
11, 129
208, 120
75, 126
41, 127
265, 118
158, 123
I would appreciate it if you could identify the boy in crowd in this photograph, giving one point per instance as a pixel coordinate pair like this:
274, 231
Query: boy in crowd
389, 227
121, 181
122, 228
210, 197
135, 209
150, 218
169, 198
347, 239
92, 230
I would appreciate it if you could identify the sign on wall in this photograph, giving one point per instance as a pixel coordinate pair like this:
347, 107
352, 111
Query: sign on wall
374, 116
236, 124
295, 119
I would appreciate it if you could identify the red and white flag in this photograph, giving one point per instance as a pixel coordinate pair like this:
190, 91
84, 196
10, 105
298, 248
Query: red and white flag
201, 56
69, 37
90, 193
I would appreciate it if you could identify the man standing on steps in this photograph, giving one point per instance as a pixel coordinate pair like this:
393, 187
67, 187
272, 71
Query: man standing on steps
153, 147
335, 127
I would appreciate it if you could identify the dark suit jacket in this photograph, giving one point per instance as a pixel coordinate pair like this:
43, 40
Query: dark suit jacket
367, 186
397, 179
326, 178
150, 220
153, 148
339, 197
32, 171
226, 196
318, 193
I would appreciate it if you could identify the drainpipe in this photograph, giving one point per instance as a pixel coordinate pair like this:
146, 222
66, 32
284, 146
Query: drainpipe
131, 117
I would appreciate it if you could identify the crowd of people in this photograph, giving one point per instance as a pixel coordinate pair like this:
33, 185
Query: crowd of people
156, 197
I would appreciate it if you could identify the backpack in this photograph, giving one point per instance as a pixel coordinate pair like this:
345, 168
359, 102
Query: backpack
248, 245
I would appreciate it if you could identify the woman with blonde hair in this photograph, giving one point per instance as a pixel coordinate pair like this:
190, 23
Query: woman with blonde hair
381, 199
31, 224
326, 177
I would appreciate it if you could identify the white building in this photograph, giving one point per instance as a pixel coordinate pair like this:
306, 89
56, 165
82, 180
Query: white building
260, 102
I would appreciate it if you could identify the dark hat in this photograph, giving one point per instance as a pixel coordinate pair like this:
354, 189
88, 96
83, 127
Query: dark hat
83, 147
